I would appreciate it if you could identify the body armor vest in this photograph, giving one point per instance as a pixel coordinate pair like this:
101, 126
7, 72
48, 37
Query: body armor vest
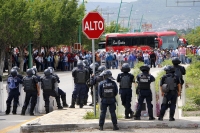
144, 83
29, 84
47, 83
108, 90
170, 81
125, 82
80, 77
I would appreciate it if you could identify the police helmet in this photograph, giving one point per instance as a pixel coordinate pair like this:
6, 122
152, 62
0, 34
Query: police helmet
101, 68
96, 66
34, 69
16, 68
125, 67
30, 72
169, 69
86, 62
144, 68
176, 60
13, 72
51, 69
107, 74
80, 63
47, 72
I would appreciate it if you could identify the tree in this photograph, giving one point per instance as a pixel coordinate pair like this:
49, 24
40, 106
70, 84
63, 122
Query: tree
194, 37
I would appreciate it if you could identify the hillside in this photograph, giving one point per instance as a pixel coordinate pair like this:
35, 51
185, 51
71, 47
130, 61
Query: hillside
156, 12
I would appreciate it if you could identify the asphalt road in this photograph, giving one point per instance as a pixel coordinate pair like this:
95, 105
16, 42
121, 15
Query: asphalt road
11, 123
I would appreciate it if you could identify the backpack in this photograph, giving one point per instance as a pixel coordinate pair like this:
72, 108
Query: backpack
12, 84
125, 82
169, 84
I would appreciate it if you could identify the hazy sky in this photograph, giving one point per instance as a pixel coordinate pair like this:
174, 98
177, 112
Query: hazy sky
110, 1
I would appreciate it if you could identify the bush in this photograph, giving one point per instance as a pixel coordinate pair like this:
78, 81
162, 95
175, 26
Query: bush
166, 62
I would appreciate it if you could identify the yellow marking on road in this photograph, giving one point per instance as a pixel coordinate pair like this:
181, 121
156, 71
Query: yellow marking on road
10, 128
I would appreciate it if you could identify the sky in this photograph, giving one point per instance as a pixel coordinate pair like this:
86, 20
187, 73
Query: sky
110, 1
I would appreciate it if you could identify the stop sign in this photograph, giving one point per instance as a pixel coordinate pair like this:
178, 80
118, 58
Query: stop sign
93, 25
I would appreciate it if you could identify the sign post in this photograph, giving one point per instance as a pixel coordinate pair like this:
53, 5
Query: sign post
93, 28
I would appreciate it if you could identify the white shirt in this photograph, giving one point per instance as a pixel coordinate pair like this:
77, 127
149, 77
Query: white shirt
39, 59
146, 56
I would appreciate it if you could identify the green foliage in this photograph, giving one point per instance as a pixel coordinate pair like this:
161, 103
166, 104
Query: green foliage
111, 28
193, 37
90, 115
137, 68
189, 106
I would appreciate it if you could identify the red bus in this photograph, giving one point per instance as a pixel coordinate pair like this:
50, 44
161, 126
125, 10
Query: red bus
141, 41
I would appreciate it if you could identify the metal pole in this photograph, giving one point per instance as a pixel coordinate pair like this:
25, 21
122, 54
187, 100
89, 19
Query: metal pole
116, 27
130, 16
94, 90
30, 59
140, 23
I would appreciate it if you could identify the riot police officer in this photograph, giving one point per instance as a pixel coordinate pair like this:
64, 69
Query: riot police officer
88, 79
179, 70
35, 70
96, 73
61, 93
31, 87
17, 69
48, 84
13, 88
95, 79
144, 80
125, 80
107, 91
80, 75
170, 93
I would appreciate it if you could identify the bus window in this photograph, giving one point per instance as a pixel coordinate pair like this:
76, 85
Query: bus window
101, 45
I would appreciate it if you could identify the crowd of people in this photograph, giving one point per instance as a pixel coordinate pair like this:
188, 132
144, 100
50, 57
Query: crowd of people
114, 59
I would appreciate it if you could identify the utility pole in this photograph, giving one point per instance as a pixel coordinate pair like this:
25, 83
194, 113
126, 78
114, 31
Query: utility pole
116, 28
123, 20
130, 17
140, 23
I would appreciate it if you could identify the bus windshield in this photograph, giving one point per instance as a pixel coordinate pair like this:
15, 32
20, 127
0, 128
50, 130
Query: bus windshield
169, 42
102, 45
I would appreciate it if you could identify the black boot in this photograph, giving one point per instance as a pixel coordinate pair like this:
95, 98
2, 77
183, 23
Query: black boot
72, 103
150, 112
137, 116
47, 110
8, 110
31, 111
171, 116
81, 103
14, 110
85, 101
126, 115
101, 128
58, 103
115, 127
131, 113
64, 101
23, 111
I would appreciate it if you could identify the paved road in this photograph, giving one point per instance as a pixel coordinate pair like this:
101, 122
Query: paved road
11, 123
147, 130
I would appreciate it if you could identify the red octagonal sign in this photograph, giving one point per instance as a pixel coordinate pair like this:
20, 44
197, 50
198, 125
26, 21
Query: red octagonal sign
93, 25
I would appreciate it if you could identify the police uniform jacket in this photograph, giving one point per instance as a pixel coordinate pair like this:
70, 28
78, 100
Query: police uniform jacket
17, 81
34, 81
144, 80
74, 74
101, 86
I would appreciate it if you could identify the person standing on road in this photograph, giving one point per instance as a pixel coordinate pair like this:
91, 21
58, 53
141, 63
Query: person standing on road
107, 91
182, 54
32, 89
61, 93
48, 84
80, 75
125, 80
179, 70
144, 80
169, 95
13, 89
153, 59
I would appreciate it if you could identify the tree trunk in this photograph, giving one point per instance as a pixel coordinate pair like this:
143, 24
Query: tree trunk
9, 62
2, 57
21, 61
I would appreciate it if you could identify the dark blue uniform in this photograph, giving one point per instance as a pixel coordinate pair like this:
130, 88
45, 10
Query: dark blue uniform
50, 91
31, 93
107, 92
170, 98
144, 80
80, 75
125, 90
13, 93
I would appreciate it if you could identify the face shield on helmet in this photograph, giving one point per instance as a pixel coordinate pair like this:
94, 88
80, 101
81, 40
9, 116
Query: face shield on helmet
96, 66
35, 70
51, 69
101, 68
